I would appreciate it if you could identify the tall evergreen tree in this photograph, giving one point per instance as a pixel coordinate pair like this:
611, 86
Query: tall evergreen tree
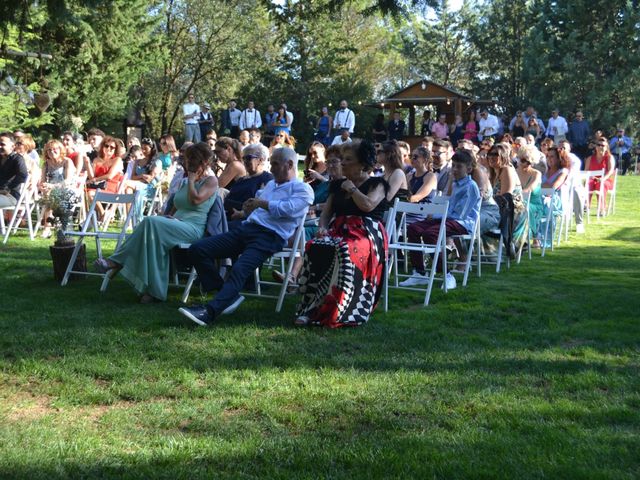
588, 57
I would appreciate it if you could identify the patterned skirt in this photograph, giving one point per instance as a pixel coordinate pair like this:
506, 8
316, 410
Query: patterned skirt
342, 274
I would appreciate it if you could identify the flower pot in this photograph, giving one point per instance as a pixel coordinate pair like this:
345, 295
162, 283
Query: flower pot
61, 254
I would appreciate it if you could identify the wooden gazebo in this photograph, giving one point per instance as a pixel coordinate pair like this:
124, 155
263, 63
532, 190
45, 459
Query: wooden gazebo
426, 95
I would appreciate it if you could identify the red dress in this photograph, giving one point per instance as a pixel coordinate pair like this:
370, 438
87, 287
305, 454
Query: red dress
112, 185
594, 182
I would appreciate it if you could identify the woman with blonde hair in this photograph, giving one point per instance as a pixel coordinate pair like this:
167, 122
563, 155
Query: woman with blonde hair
26, 147
282, 139
505, 182
57, 169
531, 181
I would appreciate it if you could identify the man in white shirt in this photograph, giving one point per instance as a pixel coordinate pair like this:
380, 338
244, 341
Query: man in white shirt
271, 219
250, 118
557, 127
342, 138
488, 125
191, 115
344, 118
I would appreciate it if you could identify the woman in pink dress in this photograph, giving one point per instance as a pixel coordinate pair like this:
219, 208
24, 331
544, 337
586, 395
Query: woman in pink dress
471, 128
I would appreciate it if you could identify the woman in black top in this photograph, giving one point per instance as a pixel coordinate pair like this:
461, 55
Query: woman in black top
343, 266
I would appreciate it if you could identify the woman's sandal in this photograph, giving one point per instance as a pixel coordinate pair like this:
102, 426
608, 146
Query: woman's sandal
302, 321
279, 277
104, 266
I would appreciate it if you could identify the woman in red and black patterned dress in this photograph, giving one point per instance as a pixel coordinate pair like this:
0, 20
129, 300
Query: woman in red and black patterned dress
341, 277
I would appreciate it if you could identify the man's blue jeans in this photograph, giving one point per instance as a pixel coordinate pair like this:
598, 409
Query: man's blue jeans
251, 242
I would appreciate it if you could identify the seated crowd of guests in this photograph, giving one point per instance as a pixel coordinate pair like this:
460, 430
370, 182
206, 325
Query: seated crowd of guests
341, 198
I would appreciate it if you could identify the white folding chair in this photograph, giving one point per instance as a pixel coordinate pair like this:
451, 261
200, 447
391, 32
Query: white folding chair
611, 209
566, 198
549, 220
473, 242
91, 229
287, 257
585, 176
437, 249
113, 208
23, 209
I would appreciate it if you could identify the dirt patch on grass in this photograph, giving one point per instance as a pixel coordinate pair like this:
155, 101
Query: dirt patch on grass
23, 406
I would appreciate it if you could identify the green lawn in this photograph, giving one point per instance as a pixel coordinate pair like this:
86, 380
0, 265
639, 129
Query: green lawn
532, 373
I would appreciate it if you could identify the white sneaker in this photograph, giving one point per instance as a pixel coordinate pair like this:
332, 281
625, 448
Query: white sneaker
450, 280
579, 228
415, 279
234, 306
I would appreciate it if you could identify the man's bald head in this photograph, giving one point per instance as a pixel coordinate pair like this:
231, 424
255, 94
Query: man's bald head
283, 162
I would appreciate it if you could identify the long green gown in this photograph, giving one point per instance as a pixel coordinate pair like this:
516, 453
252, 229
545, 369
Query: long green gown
144, 255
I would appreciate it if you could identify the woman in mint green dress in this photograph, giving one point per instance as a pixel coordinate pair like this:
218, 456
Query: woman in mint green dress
531, 180
143, 259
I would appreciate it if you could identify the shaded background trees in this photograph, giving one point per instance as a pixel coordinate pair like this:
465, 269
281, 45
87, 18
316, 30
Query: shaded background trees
127, 58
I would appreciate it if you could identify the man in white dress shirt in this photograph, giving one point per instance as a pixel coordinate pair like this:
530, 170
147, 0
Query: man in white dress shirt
557, 127
191, 115
488, 125
344, 119
250, 118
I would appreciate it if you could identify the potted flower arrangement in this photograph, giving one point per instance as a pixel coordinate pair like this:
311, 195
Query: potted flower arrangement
61, 201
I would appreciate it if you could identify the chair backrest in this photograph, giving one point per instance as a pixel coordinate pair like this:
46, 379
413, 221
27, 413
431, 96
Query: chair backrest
586, 174
422, 209
440, 199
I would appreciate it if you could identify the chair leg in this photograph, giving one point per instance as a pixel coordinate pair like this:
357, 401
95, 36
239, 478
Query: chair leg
72, 262
187, 287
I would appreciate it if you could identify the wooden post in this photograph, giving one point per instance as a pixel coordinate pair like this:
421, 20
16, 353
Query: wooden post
412, 121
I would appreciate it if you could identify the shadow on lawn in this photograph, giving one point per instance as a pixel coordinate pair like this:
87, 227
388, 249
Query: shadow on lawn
628, 234
78, 322
510, 442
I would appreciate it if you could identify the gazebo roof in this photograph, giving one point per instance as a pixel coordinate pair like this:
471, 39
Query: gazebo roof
424, 92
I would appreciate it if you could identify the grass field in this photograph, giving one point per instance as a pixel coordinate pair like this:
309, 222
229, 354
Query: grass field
532, 373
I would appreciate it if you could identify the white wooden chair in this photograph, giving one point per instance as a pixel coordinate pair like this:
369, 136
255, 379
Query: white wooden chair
473, 244
287, 257
91, 229
23, 209
611, 209
566, 197
438, 249
585, 176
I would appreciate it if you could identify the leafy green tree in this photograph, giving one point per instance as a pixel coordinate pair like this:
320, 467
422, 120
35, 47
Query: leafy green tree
500, 37
204, 47
438, 47
327, 55
587, 56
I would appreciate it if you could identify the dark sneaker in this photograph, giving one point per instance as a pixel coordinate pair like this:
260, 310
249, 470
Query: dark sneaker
234, 306
197, 314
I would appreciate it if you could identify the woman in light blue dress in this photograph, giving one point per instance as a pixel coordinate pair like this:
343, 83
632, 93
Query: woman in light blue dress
143, 259
531, 180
